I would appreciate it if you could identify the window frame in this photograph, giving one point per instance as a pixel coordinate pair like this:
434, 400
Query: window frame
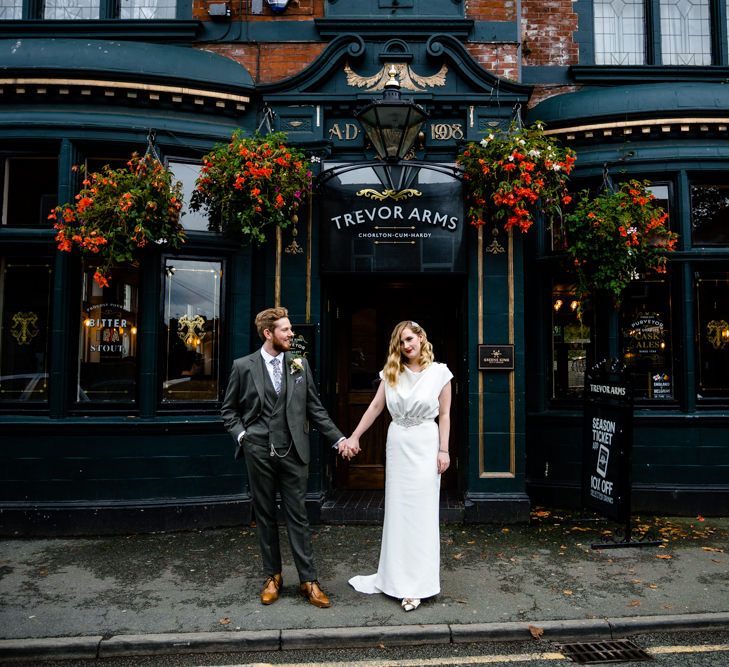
108, 10
719, 36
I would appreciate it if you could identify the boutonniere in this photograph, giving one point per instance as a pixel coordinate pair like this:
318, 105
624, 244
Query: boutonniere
296, 365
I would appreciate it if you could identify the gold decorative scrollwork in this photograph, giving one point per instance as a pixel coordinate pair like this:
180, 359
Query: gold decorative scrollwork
397, 195
718, 334
24, 327
191, 330
408, 79
494, 248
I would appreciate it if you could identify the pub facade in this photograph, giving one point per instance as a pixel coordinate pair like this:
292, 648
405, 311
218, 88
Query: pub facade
110, 397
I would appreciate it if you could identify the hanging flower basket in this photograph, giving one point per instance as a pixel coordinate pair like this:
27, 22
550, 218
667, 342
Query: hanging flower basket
250, 184
615, 236
514, 176
120, 211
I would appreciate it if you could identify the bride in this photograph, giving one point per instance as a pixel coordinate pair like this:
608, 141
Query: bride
416, 389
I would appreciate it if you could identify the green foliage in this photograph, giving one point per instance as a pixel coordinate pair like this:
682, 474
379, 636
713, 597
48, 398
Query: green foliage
250, 184
120, 211
615, 236
513, 176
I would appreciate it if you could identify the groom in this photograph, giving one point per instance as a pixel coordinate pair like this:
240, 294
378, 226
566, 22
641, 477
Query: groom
268, 402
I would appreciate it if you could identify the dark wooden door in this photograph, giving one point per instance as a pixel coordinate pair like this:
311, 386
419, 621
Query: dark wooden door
366, 311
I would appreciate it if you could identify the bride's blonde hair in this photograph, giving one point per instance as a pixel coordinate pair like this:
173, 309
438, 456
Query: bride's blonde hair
394, 364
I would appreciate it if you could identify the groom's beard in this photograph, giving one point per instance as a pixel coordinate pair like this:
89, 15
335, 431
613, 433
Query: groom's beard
281, 346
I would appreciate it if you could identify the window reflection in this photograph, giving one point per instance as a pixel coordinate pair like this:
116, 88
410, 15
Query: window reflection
30, 187
191, 330
570, 340
187, 174
645, 329
25, 294
712, 304
108, 338
709, 214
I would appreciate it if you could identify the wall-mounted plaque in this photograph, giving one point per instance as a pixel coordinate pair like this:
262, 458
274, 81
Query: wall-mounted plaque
496, 357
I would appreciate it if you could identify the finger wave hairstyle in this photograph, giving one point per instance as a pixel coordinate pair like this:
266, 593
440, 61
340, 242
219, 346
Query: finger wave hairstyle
394, 364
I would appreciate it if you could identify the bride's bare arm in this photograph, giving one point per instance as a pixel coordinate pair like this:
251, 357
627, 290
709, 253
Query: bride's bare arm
444, 427
368, 418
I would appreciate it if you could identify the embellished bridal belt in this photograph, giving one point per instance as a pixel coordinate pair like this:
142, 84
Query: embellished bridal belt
409, 422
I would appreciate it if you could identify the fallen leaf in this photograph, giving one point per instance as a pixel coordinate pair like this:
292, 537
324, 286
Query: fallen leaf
471, 542
504, 530
535, 631
634, 603
462, 601
567, 591
664, 556
653, 586
699, 518
224, 621
714, 549
541, 514
457, 556
381, 646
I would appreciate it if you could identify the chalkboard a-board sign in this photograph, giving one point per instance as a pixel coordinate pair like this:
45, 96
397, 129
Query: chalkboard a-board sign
607, 442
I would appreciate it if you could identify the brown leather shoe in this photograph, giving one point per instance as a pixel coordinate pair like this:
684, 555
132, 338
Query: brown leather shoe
269, 594
314, 594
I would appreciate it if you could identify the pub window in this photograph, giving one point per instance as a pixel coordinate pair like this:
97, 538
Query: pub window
108, 339
88, 10
619, 32
187, 173
147, 9
624, 31
191, 330
570, 341
645, 339
11, 10
71, 10
712, 321
24, 304
709, 214
30, 190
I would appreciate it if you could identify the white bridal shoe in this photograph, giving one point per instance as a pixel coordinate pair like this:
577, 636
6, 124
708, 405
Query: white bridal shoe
410, 604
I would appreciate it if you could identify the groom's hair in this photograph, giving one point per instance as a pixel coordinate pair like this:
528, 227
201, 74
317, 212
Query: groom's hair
267, 318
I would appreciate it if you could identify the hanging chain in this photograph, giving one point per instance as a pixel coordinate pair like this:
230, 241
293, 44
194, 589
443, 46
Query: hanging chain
151, 149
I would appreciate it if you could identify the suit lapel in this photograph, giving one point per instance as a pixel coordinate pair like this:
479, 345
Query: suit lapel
257, 371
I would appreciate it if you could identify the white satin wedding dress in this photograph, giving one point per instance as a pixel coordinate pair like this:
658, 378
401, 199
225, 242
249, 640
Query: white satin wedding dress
410, 553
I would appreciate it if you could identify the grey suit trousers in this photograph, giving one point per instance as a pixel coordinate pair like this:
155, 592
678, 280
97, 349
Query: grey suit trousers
288, 475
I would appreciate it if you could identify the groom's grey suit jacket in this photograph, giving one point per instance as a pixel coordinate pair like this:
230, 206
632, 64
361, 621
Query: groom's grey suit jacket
245, 395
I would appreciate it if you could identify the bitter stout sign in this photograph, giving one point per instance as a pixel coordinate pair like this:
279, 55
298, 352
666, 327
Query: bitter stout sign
608, 441
367, 227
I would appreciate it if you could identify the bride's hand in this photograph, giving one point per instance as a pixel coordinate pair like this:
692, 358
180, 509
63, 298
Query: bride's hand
444, 460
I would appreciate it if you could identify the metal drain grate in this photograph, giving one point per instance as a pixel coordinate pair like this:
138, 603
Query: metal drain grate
593, 653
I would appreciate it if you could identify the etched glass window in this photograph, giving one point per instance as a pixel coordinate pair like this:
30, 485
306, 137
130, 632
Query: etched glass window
645, 330
24, 306
107, 366
187, 174
570, 340
30, 190
619, 32
71, 10
147, 9
11, 10
685, 32
712, 321
191, 329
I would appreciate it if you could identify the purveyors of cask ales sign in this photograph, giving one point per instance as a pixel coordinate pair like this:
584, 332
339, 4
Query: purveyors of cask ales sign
368, 227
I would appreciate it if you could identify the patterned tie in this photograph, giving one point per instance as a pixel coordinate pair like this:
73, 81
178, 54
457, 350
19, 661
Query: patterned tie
276, 365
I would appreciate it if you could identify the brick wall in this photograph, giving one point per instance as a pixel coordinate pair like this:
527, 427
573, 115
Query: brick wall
268, 63
548, 28
491, 10
499, 59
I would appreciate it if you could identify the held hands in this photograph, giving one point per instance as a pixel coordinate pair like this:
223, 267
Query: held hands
349, 447
444, 460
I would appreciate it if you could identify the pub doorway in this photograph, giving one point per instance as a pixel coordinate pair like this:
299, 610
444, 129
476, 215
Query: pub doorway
364, 311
